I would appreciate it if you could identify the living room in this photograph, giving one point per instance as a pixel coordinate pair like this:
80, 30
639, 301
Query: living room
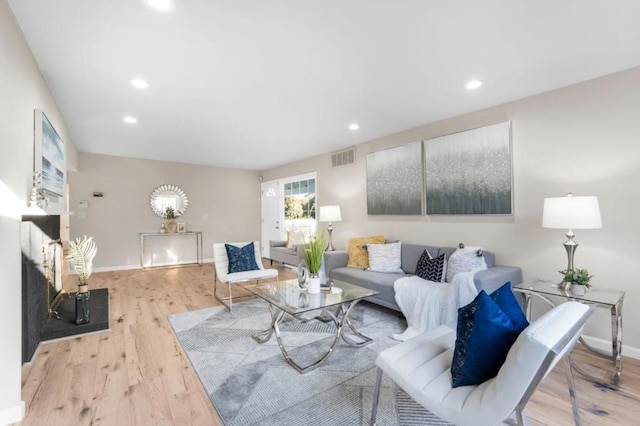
580, 138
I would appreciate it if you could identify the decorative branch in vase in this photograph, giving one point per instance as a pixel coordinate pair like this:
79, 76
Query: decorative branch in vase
81, 254
313, 255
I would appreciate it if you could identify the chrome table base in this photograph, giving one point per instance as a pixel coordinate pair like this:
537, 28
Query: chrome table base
340, 320
616, 338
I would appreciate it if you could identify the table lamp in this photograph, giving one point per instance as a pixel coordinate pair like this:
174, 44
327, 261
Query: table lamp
330, 214
571, 213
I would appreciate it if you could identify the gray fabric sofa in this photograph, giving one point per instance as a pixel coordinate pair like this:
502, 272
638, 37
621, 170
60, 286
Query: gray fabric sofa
488, 280
279, 252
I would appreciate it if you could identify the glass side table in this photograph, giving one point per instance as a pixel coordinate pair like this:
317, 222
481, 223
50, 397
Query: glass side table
605, 299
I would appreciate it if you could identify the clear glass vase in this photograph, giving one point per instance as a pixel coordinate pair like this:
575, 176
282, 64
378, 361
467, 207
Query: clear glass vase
83, 311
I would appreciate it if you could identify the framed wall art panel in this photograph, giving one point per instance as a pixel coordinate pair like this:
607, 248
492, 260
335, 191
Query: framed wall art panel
469, 173
49, 158
395, 181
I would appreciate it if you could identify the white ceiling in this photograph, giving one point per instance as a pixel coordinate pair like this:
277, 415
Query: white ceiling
258, 83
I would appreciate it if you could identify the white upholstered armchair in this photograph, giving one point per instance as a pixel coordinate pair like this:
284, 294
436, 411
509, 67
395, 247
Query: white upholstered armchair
421, 367
237, 279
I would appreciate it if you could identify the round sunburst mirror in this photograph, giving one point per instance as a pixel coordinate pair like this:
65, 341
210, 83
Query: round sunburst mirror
168, 196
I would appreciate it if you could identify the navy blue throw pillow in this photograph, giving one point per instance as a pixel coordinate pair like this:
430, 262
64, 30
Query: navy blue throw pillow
484, 336
241, 259
507, 301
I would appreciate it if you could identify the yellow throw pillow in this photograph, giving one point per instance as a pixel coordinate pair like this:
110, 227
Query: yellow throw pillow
358, 256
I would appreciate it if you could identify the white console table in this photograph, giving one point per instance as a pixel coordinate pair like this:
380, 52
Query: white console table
191, 234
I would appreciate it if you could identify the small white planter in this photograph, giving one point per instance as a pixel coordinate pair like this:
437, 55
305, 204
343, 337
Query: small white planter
578, 290
313, 285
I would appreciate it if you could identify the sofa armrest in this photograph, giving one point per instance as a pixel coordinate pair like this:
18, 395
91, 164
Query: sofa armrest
492, 279
335, 259
277, 243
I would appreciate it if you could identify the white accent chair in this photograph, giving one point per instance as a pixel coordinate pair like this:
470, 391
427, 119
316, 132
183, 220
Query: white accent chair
421, 367
221, 272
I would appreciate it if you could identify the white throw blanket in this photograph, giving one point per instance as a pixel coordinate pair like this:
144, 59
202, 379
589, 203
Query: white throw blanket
427, 304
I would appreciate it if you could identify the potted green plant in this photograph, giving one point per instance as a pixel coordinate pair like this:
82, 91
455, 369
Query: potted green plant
171, 216
81, 254
313, 255
577, 279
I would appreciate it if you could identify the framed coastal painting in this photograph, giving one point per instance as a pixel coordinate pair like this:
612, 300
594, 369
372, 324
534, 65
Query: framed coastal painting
49, 156
469, 173
395, 181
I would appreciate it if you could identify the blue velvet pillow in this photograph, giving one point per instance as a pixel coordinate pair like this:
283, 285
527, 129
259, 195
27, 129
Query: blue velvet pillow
507, 301
484, 336
241, 259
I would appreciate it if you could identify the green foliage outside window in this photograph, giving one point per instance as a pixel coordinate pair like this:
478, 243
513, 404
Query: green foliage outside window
299, 207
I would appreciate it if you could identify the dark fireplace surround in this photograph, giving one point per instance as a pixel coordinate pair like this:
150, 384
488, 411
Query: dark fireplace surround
35, 230
37, 324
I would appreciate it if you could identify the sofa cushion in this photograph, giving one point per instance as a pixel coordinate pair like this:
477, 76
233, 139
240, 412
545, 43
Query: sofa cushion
241, 259
505, 298
295, 238
489, 257
377, 281
431, 268
358, 256
288, 251
484, 336
465, 259
385, 257
411, 253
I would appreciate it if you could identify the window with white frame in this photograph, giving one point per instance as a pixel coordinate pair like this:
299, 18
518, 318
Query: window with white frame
300, 205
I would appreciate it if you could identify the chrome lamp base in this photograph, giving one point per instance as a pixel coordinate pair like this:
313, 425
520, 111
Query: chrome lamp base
570, 246
329, 231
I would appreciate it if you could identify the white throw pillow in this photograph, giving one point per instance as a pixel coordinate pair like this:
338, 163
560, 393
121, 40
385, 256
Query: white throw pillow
385, 257
295, 238
465, 260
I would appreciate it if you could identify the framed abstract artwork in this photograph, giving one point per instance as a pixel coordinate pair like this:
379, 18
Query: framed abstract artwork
395, 181
49, 158
469, 173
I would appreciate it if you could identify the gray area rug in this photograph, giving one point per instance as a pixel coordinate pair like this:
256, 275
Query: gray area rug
252, 384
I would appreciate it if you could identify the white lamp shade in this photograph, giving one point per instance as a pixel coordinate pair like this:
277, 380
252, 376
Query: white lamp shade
330, 214
571, 213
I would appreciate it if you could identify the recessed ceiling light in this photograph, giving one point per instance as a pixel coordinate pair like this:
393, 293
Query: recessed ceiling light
474, 84
354, 126
162, 6
129, 119
139, 83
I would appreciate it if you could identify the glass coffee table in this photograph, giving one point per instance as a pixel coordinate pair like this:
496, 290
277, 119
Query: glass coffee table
286, 297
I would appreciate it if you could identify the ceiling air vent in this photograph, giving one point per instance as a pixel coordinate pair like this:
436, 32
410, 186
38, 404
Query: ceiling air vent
343, 158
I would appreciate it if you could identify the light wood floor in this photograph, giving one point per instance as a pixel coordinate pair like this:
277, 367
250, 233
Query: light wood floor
138, 374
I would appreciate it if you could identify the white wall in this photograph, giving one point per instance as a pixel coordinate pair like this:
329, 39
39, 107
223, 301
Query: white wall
581, 139
223, 203
22, 89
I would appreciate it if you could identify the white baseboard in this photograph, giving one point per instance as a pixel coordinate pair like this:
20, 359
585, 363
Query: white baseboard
605, 345
114, 268
130, 267
12, 415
